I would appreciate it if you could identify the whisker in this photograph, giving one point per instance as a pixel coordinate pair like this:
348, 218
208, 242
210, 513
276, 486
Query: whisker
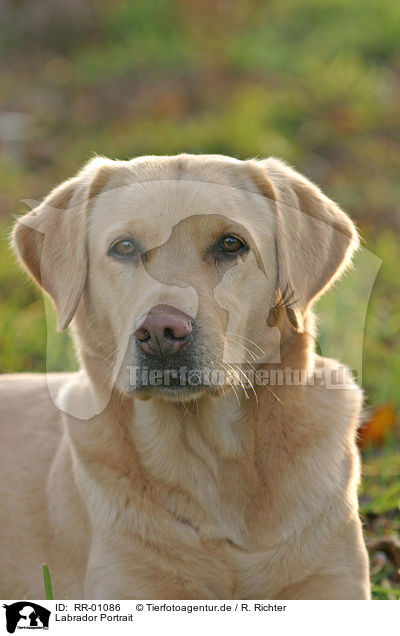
238, 377
274, 394
251, 384
248, 339
223, 391
231, 385
245, 359
245, 348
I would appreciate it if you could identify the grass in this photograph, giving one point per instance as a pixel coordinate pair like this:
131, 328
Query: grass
380, 509
47, 583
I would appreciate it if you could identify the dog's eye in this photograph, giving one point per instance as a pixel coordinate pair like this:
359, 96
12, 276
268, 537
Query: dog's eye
123, 248
231, 244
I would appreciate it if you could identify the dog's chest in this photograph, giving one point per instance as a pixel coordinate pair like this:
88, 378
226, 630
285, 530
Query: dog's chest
203, 477
245, 563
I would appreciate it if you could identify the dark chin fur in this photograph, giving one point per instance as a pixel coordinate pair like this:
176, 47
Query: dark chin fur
176, 394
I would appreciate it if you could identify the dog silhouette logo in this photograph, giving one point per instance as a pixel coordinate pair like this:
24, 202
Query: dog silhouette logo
26, 615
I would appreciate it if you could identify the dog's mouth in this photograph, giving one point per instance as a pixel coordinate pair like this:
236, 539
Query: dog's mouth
174, 382
177, 367
175, 394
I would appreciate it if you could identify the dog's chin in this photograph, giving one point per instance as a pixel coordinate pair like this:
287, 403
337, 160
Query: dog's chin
173, 394
176, 394
183, 378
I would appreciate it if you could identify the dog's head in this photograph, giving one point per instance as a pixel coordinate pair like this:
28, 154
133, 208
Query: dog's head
179, 267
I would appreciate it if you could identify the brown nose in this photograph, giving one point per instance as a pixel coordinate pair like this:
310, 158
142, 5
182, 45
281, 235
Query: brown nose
165, 330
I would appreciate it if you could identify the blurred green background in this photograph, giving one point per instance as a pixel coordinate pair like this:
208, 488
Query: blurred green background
314, 82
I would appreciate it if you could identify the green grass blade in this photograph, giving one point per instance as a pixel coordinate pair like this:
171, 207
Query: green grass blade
47, 583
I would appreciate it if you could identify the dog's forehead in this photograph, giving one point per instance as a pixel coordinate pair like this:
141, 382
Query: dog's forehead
150, 204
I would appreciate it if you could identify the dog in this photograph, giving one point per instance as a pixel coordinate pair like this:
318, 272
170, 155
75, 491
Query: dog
172, 466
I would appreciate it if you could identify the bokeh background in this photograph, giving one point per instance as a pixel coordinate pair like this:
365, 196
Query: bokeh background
315, 82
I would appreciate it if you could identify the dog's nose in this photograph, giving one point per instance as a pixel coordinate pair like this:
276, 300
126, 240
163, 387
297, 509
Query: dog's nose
164, 330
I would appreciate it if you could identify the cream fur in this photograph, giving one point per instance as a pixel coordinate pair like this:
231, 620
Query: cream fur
233, 494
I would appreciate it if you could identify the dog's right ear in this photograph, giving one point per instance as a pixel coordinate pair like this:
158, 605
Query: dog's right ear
51, 241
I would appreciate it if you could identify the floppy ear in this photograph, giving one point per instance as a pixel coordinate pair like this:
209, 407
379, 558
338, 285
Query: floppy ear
51, 242
315, 238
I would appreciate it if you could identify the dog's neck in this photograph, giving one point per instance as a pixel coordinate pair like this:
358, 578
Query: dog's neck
209, 463
215, 423
172, 437
188, 450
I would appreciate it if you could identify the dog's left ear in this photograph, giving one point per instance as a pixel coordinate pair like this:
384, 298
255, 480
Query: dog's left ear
51, 241
315, 238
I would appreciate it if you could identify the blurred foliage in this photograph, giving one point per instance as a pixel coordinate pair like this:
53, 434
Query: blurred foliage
316, 83
380, 508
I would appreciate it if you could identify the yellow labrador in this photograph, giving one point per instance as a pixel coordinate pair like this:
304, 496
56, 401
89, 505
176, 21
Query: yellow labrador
204, 451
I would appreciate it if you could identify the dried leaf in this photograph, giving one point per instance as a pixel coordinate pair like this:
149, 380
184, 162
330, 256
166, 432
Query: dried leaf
376, 429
